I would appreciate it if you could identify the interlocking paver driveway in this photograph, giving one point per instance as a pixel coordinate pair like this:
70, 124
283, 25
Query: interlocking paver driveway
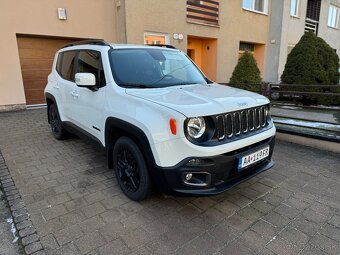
8, 244
77, 207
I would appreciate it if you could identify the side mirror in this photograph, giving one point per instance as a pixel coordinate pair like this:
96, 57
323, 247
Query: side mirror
87, 80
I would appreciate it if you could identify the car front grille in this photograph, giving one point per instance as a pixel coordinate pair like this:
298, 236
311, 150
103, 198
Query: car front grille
242, 122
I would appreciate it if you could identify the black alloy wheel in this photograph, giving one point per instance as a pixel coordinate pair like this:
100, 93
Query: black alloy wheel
128, 170
131, 170
55, 122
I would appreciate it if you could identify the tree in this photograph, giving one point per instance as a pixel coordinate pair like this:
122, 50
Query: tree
246, 71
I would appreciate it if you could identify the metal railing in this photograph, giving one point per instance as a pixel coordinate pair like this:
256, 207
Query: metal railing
299, 109
311, 26
298, 89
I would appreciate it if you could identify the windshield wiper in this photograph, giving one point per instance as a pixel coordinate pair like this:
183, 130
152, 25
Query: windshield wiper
136, 85
181, 83
208, 81
167, 75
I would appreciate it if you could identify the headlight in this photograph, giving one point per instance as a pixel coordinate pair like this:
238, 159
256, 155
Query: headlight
196, 127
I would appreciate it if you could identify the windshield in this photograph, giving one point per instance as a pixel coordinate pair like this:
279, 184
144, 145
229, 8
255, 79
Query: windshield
150, 68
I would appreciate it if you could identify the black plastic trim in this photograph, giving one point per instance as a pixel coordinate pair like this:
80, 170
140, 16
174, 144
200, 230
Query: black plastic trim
223, 169
74, 129
214, 141
88, 42
52, 98
163, 46
94, 127
133, 132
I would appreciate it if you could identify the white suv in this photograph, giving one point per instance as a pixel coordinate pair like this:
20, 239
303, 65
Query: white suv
160, 121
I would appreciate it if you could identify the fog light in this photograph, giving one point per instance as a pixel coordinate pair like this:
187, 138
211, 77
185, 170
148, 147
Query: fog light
198, 179
188, 177
196, 162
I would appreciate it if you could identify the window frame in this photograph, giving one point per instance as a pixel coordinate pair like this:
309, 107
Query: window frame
297, 8
118, 82
59, 62
337, 17
61, 56
241, 52
265, 7
75, 65
252, 45
166, 36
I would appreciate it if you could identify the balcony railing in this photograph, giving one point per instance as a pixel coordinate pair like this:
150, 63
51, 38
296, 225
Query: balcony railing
311, 25
203, 12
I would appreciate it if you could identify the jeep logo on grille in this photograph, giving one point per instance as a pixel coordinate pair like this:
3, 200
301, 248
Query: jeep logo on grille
242, 104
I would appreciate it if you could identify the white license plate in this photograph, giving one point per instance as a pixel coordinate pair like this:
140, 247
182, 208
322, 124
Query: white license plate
253, 158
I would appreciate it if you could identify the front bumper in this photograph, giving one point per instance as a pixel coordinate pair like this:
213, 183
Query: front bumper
222, 169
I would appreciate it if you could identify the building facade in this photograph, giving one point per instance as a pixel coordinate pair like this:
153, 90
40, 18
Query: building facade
290, 19
214, 33
32, 31
211, 32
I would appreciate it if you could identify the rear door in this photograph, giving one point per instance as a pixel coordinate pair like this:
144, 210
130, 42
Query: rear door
66, 83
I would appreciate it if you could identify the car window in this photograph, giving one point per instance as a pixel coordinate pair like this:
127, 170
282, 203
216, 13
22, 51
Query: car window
90, 62
67, 66
153, 68
59, 62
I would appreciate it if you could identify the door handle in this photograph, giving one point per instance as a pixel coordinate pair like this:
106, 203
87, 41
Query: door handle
75, 94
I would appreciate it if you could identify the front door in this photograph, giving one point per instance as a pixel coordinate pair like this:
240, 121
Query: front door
88, 106
203, 51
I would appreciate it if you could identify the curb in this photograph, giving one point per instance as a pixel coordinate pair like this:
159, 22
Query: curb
28, 237
308, 141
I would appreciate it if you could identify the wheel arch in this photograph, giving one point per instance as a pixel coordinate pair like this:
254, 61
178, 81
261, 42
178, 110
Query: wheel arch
116, 128
50, 99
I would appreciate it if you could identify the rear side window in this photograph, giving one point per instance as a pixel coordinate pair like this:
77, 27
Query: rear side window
66, 69
59, 62
90, 62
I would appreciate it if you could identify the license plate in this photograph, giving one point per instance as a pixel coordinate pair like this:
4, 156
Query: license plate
253, 158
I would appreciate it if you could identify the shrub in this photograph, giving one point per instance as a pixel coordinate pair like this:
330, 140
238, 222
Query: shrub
312, 62
329, 60
303, 65
246, 74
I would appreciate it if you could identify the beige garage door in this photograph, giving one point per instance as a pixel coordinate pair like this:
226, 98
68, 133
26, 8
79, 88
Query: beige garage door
36, 58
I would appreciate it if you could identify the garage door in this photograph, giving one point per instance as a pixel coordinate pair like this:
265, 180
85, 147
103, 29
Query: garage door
36, 58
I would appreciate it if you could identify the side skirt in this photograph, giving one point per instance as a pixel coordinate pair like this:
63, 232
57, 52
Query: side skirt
84, 135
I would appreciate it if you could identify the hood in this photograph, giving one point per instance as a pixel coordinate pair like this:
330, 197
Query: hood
201, 100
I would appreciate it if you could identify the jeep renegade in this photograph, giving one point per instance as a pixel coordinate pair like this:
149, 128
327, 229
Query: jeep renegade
160, 121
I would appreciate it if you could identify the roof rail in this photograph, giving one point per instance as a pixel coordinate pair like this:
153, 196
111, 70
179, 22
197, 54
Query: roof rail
163, 45
91, 42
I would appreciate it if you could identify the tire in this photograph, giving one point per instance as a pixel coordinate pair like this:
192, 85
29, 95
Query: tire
55, 122
275, 95
131, 170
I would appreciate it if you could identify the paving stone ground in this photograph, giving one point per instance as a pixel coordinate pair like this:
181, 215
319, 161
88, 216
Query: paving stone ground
7, 247
77, 207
